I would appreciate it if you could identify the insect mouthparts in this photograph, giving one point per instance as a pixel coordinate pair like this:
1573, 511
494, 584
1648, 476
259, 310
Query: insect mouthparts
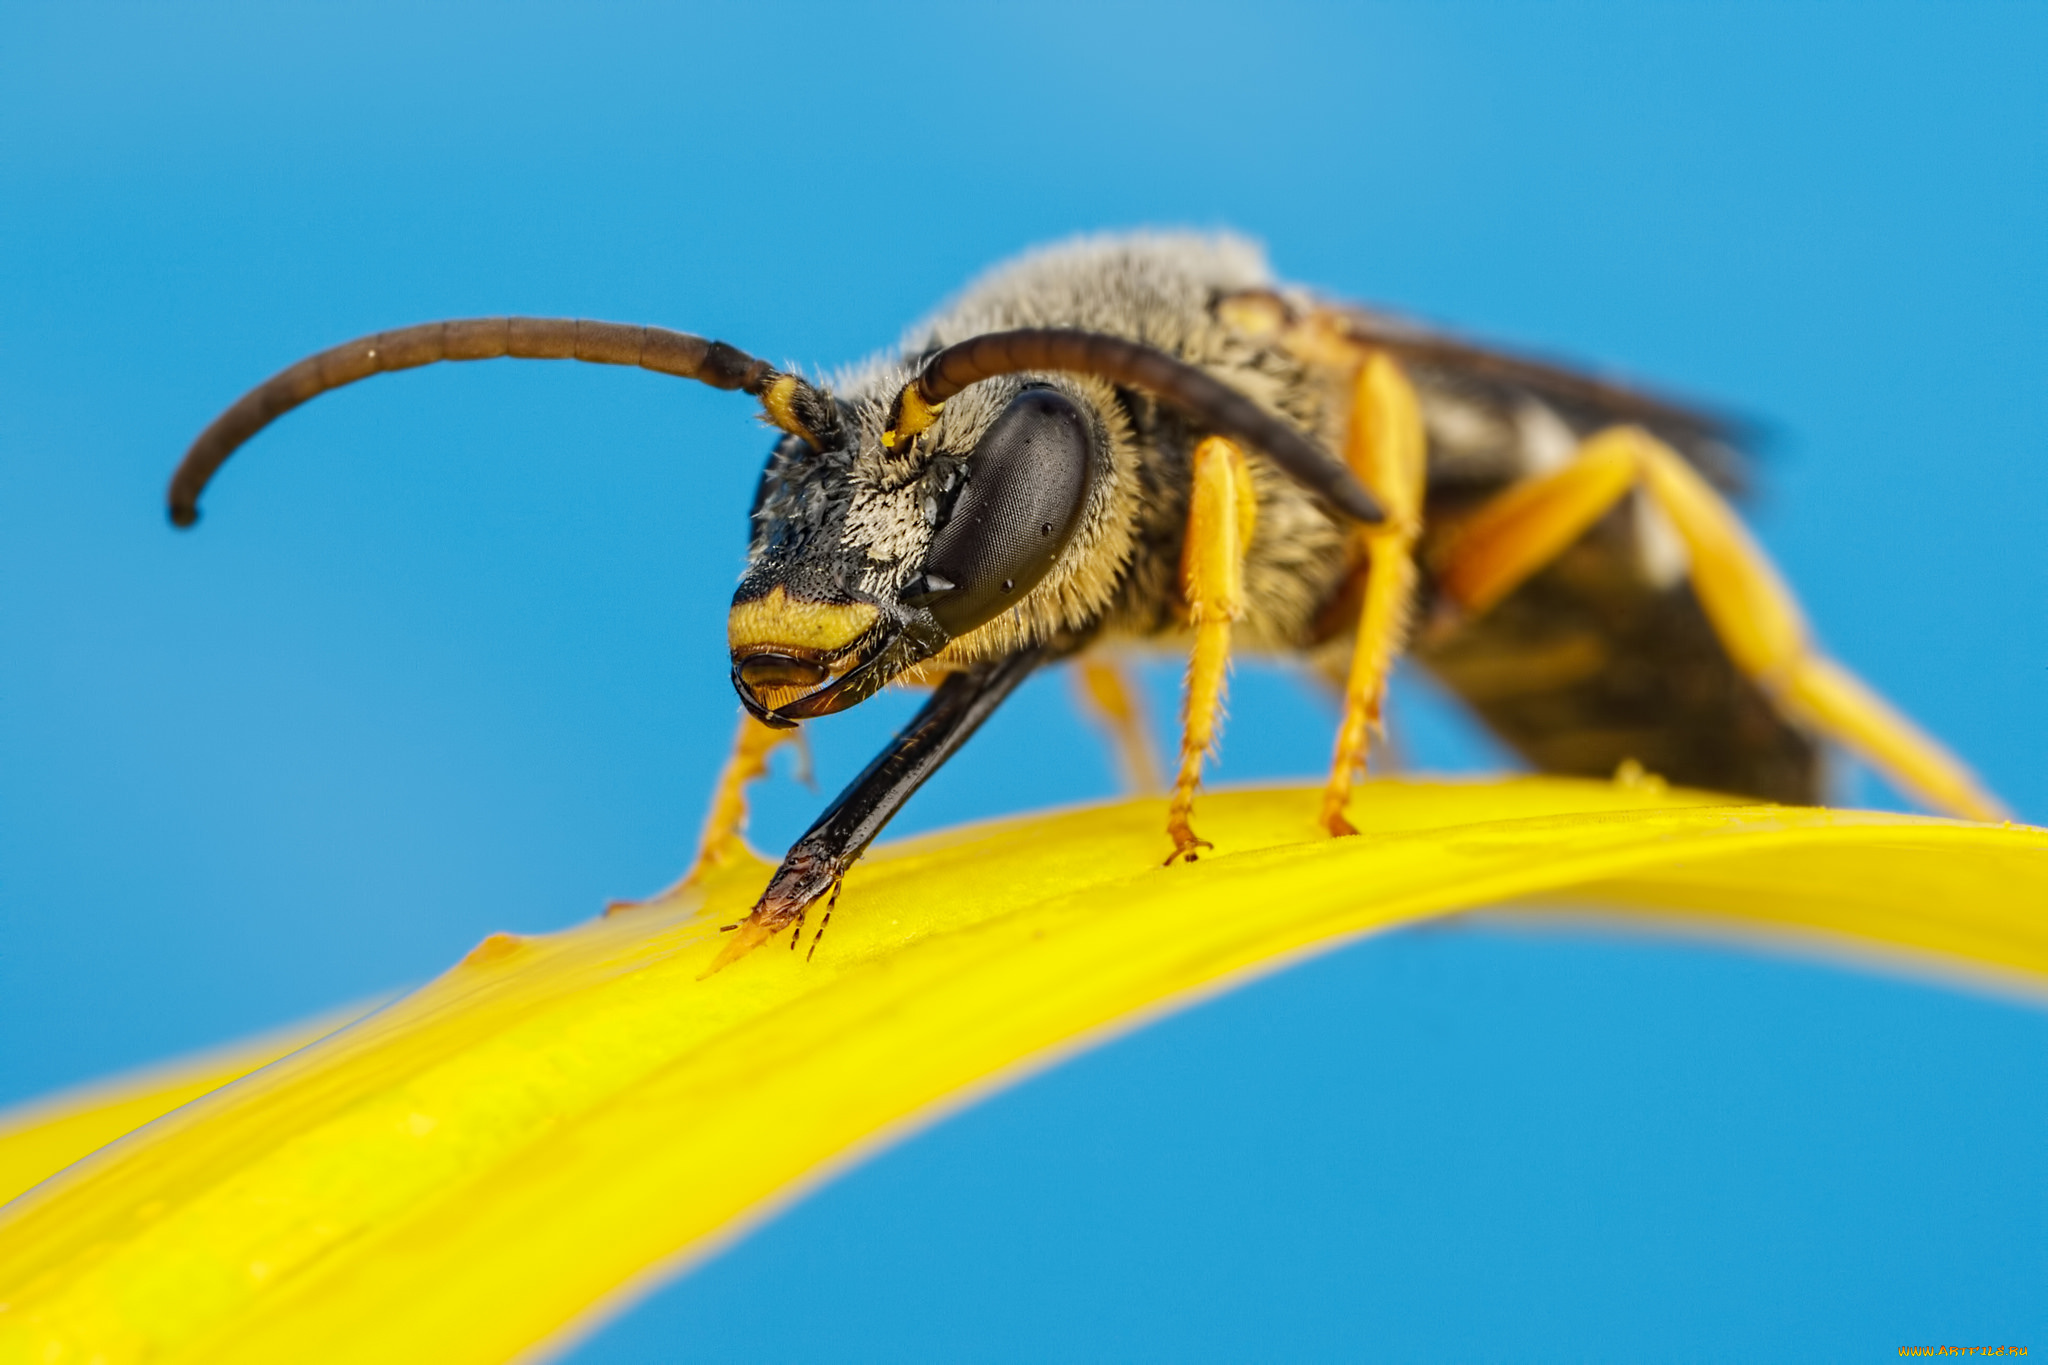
781, 670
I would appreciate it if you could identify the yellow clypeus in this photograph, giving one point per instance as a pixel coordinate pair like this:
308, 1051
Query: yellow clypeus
491, 1161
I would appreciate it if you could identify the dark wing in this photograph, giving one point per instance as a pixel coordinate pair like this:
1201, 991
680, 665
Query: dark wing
1605, 656
1489, 410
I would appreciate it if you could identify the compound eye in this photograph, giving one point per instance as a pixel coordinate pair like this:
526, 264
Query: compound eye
1026, 482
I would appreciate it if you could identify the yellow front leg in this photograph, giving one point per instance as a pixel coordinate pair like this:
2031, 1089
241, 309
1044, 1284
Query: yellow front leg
723, 840
1752, 611
1387, 450
1222, 514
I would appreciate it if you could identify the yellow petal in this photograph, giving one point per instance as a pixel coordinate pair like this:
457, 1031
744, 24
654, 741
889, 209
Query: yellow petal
39, 1139
489, 1162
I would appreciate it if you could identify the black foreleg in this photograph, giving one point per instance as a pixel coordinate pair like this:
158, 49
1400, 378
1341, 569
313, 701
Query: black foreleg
814, 865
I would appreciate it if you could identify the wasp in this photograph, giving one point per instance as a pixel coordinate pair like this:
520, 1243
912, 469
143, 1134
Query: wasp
1148, 441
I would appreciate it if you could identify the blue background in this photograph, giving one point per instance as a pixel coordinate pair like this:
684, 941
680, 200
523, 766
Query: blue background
447, 655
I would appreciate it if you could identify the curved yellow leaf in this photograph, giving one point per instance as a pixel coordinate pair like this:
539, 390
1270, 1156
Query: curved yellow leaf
481, 1166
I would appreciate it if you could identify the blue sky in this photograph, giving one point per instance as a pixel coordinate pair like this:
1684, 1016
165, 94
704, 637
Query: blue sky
447, 655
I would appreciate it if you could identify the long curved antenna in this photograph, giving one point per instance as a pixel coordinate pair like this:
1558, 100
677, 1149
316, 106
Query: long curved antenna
1222, 409
788, 401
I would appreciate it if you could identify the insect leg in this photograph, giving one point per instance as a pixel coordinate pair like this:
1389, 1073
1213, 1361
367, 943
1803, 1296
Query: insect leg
725, 825
1385, 449
824, 923
1221, 517
1109, 696
723, 839
816, 863
1752, 611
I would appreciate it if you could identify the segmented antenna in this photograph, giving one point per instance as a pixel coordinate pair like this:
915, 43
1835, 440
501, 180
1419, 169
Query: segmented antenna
1217, 406
789, 402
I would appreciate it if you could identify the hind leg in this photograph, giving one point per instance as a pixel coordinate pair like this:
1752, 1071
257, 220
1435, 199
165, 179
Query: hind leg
1751, 609
1110, 697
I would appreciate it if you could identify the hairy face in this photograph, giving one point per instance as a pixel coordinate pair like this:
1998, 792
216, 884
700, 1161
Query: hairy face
865, 563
